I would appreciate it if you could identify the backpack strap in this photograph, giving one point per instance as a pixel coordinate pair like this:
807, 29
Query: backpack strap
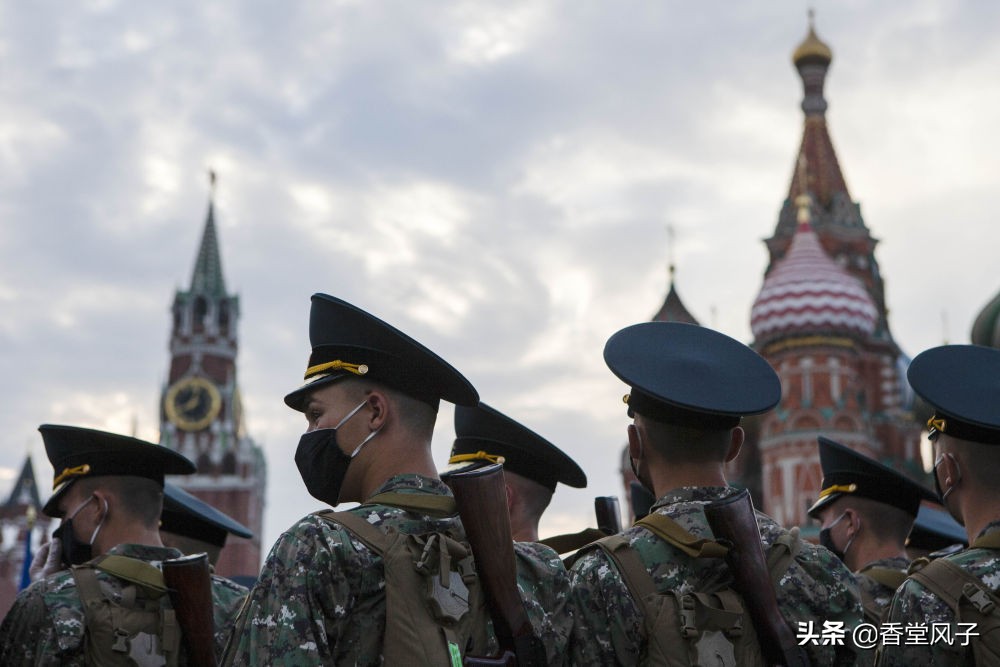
988, 541
426, 503
132, 570
572, 541
782, 552
951, 583
371, 536
673, 533
634, 573
887, 576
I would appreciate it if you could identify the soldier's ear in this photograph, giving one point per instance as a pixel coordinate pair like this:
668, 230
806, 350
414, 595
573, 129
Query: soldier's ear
634, 442
736, 438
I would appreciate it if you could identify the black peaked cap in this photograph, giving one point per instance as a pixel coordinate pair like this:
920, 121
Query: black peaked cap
962, 384
78, 453
690, 375
190, 516
935, 529
847, 472
484, 429
349, 341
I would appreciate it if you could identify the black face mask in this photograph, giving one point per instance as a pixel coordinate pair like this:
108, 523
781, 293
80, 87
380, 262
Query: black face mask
634, 463
827, 541
321, 463
75, 552
943, 495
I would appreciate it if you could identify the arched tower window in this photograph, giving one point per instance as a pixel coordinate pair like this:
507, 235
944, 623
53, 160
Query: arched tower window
200, 310
224, 318
228, 464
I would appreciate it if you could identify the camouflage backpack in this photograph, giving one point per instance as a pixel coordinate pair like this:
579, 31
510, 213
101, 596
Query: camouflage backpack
137, 630
969, 598
709, 626
435, 608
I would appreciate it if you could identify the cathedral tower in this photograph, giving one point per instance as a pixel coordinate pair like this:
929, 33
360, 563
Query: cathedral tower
201, 415
821, 320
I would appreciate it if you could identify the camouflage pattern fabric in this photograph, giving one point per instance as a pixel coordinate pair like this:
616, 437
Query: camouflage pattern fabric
45, 625
913, 603
878, 592
608, 627
320, 597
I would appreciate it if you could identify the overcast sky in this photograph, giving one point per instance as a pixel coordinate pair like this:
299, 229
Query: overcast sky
494, 178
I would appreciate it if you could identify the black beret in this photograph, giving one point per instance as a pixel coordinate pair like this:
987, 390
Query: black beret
690, 375
348, 341
962, 384
846, 472
76, 453
484, 431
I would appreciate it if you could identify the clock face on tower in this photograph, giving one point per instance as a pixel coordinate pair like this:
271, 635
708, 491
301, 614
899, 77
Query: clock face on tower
192, 403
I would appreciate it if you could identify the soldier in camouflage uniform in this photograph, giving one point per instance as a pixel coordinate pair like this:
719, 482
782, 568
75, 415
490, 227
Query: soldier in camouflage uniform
866, 510
108, 490
370, 400
689, 388
960, 383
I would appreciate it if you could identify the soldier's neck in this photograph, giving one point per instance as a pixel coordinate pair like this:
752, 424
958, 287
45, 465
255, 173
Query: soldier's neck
673, 476
112, 535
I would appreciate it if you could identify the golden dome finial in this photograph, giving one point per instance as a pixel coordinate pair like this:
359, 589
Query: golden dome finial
812, 46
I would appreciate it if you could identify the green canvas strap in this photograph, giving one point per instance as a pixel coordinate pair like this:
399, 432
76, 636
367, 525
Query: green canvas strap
372, 537
572, 541
990, 540
886, 576
951, 583
133, 570
673, 533
635, 574
433, 504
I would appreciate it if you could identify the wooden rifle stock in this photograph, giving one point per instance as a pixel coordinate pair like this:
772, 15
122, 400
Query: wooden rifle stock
481, 496
609, 518
733, 521
190, 584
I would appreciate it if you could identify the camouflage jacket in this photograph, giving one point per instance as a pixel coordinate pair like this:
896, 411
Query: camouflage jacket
607, 623
46, 624
914, 604
877, 592
320, 598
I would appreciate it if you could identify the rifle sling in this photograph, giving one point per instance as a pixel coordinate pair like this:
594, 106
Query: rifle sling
573, 541
433, 504
673, 533
132, 570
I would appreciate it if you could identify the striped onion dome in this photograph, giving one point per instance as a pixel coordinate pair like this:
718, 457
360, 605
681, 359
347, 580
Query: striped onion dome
808, 293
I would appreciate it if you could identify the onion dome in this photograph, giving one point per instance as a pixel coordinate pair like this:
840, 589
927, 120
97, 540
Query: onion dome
673, 309
986, 328
812, 48
808, 293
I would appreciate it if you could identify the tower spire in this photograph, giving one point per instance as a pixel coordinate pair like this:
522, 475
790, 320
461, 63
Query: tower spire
207, 276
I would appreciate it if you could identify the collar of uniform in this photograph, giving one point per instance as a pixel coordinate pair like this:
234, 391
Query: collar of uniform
145, 552
693, 494
894, 563
991, 527
413, 483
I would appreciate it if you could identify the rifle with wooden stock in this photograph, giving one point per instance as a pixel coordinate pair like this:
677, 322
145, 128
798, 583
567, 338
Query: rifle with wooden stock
189, 583
734, 524
481, 496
